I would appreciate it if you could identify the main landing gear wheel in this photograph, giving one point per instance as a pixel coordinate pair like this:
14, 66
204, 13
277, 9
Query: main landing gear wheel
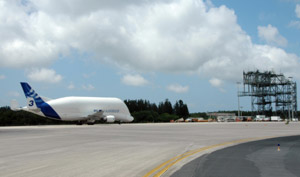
79, 123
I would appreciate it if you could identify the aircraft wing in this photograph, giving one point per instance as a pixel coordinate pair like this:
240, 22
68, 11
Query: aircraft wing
97, 115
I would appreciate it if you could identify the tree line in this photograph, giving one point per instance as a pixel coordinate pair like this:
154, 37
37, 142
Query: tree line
11, 118
141, 110
144, 111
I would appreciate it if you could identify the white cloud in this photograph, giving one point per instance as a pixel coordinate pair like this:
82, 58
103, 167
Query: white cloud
89, 75
88, 87
2, 77
295, 24
297, 10
44, 75
216, 82
71, 86
14, 94
134, 80
178, 88
166, 36
271, 35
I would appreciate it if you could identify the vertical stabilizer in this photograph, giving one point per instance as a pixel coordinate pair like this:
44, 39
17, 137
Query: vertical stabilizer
36, 104
34, 101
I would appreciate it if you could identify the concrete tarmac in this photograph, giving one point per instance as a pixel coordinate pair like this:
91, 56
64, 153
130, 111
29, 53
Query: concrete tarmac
117, 150
259, 158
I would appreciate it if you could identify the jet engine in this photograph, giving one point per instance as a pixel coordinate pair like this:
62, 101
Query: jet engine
109, 119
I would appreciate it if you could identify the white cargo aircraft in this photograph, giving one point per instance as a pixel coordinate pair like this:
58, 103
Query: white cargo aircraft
81, 109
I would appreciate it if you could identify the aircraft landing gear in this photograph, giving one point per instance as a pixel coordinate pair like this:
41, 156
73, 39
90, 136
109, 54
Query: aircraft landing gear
90, 122
79, 123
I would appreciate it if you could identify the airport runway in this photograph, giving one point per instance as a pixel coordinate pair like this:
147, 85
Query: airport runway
120, 150
259, 158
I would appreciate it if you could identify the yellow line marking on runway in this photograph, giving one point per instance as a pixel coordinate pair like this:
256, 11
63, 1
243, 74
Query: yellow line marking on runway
177, 159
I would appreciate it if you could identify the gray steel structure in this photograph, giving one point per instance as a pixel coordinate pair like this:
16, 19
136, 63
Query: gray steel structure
269, 90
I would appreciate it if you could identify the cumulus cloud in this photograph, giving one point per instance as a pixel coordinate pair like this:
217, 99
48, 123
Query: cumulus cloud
178, 88
134, 80
216, 82
170, 36
88, 87
2, 77
296, 23
14, 94
89, 75
297, 10
271, 35
71, 86
44, 75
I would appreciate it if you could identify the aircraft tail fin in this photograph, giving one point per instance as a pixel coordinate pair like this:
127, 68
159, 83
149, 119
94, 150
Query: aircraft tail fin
34, 101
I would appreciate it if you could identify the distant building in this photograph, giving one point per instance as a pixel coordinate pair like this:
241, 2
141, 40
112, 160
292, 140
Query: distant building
222, 117
216, 114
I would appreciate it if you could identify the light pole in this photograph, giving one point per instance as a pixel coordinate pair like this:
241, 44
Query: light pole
238, 87
242, 111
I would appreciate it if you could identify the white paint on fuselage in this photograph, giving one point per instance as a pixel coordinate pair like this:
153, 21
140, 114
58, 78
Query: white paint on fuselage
79, 108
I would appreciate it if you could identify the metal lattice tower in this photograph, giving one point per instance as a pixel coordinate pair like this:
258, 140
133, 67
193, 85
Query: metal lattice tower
269, 90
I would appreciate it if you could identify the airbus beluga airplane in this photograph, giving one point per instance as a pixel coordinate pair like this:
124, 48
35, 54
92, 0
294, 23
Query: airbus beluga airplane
81, 109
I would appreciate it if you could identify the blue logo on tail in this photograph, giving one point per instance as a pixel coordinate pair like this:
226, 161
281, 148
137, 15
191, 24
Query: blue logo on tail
29, 92
47, 110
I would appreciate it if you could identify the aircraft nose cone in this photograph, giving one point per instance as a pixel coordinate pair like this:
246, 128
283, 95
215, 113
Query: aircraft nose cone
130, 118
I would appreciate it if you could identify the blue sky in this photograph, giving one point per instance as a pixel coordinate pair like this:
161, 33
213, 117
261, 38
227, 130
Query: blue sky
177, 49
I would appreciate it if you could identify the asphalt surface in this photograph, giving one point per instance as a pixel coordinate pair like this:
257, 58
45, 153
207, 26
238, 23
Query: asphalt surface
117, 150
257, 159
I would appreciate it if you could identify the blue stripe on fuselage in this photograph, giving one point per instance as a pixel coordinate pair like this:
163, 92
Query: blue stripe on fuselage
48, 111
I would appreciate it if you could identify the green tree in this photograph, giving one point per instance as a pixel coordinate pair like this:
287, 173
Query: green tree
181, 109
165, 107
165, 117
10, 118
145, 116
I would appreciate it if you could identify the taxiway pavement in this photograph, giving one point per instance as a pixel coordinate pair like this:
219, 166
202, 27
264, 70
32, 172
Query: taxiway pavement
117, 150
262, 158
